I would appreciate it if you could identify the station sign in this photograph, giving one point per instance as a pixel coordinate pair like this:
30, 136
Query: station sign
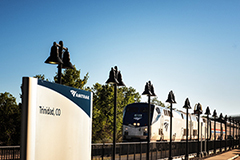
56, 121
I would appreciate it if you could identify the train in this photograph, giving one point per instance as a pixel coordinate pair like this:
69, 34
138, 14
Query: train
135, 125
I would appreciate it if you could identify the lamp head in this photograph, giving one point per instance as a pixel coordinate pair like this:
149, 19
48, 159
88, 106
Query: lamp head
208, 111
112, 77
147, 90
152, 89
119, 79
214, 113
230, 119
66, 60
187, 104
220, 117
61, 43
54, 56
171, 97
198, 109
225, 118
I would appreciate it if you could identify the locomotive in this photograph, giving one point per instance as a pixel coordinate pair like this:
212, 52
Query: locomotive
135, 125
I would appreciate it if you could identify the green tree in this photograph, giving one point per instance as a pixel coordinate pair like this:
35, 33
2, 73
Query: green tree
41, 76
10, 120
103, 99
71, 78
157, 102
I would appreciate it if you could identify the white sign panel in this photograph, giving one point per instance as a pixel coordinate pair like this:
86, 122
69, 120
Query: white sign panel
56, 121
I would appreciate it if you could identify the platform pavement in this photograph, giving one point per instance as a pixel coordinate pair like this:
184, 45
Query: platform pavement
229, 155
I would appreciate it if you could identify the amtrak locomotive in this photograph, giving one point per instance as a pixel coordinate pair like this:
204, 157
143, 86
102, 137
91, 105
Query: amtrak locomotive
135, 124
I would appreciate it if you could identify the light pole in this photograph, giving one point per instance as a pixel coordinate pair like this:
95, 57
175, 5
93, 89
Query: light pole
233, 133
238, 134
57, 58
198, 111
225, 119
187, 106
208, 113
230, 134
115, 78
171, 100
221, 134
149, 91
214, 115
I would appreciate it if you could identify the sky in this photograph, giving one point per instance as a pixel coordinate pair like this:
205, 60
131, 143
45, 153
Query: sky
189, 47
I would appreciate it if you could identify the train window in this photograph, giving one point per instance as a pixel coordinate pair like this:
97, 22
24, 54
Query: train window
144, 109
165, 113
169, 113
185, 133
132, 109
194, 132
158, 110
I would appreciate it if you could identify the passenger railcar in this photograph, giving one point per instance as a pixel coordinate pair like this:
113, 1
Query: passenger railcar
135, 124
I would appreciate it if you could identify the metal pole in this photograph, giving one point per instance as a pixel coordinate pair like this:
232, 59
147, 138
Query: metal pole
214, 134
225, 134
221, 135
238, 135
60, 65
186, 155
114, 121
198, 134
170, 144
201, 142
207, 132
233, 134
149, 123
230, 140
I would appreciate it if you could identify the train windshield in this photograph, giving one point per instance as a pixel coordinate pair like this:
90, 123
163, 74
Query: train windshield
136, 114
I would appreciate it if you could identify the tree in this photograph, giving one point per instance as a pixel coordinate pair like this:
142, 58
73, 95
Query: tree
41, 76
157, 102
103, 98
71, 78
10, 120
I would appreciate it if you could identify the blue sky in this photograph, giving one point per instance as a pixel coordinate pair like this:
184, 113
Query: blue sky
190, 47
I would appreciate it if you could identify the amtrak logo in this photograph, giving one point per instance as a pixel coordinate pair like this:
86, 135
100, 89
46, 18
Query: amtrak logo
73, 92
78, 95
166, 125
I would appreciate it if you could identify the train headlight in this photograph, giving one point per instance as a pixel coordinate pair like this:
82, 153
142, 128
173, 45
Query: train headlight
134, 124
126, 128
145, 129
138, 124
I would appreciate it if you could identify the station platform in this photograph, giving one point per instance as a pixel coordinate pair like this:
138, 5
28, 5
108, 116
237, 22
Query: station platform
233, 154
228, 155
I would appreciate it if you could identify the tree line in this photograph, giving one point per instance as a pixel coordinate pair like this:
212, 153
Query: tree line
102, 116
